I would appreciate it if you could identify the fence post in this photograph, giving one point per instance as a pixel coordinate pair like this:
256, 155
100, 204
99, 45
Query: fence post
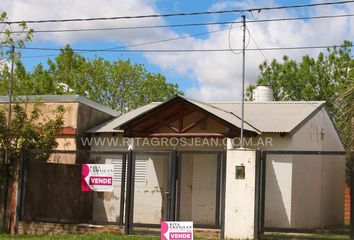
257, 202
128, 224
351, 205
223, 192
4, 224
21, 188
171, 208
122, 189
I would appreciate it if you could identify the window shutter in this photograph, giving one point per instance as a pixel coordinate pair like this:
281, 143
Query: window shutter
140, 171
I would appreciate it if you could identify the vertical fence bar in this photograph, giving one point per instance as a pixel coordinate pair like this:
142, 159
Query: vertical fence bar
262, 192
20, 191
122, 189
128, 223
171, 204
218, 189
179, 189
257, 195
223, 192
352, 205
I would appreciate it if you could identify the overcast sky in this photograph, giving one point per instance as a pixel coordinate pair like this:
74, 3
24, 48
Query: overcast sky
202, 75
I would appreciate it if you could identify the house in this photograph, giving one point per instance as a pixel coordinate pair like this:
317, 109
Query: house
301, 191
80, 114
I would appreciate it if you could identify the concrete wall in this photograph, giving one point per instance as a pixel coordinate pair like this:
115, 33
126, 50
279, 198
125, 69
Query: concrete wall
240, 195
306, 191
87, 118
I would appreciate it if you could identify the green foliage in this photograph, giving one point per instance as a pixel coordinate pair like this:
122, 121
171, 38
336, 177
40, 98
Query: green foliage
9, 38
29, 129
323, 78
346, 122
120, 85
329, 77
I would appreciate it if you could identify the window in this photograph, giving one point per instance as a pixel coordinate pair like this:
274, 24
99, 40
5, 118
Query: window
140, 170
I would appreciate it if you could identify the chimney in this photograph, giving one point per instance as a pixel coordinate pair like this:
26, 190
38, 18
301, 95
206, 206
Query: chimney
262, 94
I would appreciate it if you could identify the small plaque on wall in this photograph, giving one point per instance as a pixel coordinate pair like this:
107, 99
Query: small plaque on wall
240, 172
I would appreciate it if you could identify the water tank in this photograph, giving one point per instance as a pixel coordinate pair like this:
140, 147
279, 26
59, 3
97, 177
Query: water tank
262, 94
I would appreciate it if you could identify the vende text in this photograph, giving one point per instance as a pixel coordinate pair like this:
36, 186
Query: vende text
177, 236
101, 180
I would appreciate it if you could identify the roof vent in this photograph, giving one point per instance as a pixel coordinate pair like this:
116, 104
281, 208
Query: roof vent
262, 94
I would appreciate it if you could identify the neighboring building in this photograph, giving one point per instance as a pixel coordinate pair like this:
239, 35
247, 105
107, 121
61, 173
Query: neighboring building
81, 114
301, 191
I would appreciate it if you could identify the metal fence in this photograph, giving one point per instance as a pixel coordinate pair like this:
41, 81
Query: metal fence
149, 186
50, 187
298, 193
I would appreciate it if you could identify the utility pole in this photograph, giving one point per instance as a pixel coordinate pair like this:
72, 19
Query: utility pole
11, 84
7, 162
243, 76
12, 56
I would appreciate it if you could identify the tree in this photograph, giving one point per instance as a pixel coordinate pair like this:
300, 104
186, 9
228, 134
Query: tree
28, 130
329, 77
346, 123
120, 85
8, 41
323, 78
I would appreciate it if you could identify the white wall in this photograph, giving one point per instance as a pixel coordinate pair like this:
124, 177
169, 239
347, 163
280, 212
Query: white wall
306, 191
240, 195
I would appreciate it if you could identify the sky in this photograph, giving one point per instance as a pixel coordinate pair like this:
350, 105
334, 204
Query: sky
205, 76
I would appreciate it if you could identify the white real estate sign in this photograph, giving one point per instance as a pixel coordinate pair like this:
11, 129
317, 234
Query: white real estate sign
97, 177
176, 230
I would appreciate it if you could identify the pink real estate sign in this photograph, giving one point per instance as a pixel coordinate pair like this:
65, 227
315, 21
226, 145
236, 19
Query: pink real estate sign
97, 178
176, 230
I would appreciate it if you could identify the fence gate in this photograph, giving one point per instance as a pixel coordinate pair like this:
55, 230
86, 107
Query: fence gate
149, 186
301, 194
174, 186
50, 188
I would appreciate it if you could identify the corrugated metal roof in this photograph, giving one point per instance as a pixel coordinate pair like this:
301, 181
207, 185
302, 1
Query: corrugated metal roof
113, 124
262, 117
224, 114
274, 116
62, 99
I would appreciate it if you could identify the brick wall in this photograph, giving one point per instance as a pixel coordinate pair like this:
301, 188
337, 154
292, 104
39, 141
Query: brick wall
42, 228
347, 203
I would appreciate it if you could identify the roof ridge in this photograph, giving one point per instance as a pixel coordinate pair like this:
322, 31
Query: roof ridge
220, 109
265, 102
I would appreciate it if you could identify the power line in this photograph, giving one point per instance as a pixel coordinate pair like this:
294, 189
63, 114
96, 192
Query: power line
180, 14
255, 43
168, 39
182, 25
182, 50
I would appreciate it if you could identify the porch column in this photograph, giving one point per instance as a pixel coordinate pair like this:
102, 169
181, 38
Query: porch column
240, 195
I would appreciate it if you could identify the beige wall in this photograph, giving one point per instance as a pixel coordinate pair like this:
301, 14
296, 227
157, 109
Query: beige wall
300, 188
240, 195
47, 111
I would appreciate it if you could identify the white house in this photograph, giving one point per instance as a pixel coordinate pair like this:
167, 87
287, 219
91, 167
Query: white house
301, 191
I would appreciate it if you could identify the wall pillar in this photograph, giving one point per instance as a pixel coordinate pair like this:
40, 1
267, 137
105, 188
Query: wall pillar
240, 194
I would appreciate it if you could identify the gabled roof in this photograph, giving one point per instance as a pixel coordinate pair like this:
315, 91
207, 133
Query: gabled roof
61, 99
113, 124
274, 116
260, 117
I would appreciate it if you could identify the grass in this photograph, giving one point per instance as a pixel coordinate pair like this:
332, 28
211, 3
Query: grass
86, 236
116, 236
111, 236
